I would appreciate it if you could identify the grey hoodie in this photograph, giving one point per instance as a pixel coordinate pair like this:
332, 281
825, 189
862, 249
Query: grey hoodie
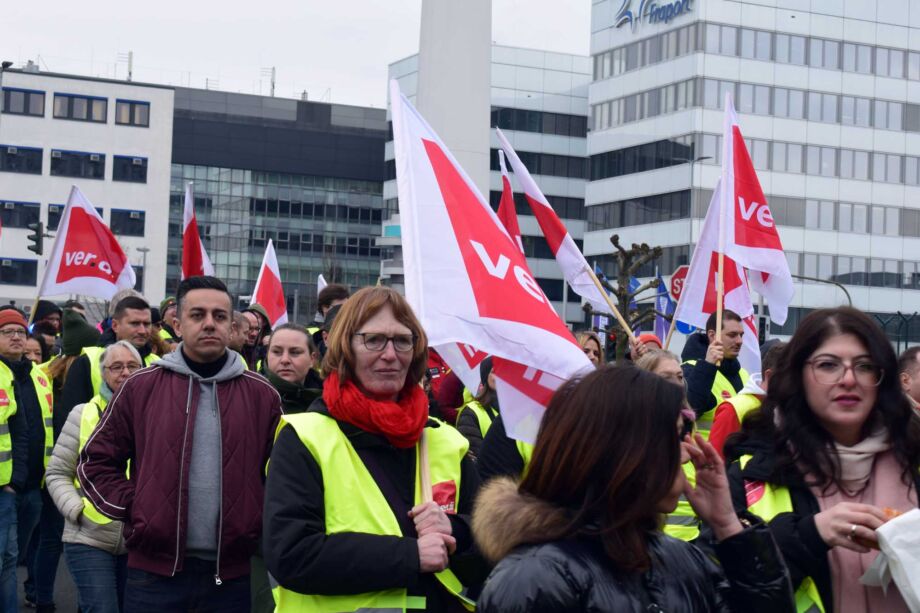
204, 478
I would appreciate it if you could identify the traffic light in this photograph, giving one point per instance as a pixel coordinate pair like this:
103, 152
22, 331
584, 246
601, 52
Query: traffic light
37, 237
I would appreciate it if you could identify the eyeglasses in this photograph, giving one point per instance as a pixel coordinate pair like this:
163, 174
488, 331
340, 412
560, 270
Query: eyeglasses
12, 332
829, 371
118, 367
375, 341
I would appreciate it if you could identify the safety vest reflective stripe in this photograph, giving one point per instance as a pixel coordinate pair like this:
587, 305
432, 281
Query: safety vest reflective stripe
344, 474
722, 390
771, 502
4, 429
4, 456
89, 418
95, 368
483, 416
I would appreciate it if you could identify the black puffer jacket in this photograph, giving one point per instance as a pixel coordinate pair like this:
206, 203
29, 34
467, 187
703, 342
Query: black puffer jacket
575, 575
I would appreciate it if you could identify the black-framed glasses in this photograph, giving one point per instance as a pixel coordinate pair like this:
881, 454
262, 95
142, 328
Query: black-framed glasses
118, 367
376, 341
829, 371
11, 332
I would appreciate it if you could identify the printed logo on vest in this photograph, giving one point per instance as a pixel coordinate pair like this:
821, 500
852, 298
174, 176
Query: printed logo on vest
726, 394
50, 402
42, 381
753, 491
4, 399
445, 494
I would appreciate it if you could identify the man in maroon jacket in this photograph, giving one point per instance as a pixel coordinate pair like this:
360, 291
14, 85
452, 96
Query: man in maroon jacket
197, 428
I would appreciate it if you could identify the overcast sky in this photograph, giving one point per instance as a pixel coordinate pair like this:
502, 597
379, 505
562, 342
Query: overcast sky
337, 50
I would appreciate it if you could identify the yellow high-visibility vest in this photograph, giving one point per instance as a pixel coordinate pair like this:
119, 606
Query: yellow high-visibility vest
344, 474
722, 390
483, 415
42, 384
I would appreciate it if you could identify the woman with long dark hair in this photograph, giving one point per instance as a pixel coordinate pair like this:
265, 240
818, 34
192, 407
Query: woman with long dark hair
833, 446
582, 532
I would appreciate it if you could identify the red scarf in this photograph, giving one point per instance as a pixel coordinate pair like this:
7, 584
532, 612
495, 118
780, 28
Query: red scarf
401, 422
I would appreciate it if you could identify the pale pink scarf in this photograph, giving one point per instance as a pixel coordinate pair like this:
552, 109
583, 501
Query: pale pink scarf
882, 488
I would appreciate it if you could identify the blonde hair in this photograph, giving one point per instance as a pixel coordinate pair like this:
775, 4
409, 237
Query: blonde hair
652, 359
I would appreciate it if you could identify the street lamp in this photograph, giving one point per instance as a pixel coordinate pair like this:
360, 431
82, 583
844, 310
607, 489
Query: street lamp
144, 251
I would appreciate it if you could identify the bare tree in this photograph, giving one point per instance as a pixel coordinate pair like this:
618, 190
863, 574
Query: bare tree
629, 261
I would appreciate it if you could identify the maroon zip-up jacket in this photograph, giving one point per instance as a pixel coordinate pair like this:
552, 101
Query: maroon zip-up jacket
150, 422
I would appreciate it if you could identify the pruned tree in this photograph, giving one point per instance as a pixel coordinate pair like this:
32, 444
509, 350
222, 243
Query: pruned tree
629, 262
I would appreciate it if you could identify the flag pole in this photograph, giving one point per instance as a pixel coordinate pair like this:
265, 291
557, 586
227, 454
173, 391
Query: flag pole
671, 328
613, 308
424, 469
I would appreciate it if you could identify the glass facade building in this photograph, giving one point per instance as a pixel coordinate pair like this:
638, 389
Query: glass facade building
308, 176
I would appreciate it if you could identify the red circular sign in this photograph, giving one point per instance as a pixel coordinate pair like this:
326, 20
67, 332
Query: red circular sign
677, 281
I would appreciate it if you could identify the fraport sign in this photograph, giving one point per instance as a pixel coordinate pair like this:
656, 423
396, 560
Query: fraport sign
651, 11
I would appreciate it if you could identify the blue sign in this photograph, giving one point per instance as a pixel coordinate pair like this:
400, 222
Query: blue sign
652, 11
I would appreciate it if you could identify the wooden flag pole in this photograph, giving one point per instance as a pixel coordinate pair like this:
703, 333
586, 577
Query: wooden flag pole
34, 307
424, 468
667, 339
720, 295
613, 307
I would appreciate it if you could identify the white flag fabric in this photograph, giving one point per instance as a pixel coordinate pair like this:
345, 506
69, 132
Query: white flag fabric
699, 297
751, 237
468, 281
320, 283
86, 258
507, 213
574, 267
268, 292
195, 260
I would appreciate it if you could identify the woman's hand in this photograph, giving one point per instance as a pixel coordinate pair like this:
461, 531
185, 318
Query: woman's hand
429, 518
636, 348
711, 498
850, 525
433, 552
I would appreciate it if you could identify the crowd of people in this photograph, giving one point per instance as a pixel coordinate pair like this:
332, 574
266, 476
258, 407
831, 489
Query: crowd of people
190, 457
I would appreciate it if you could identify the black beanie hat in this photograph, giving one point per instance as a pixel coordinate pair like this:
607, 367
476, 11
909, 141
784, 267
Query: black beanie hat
485, 368
77, 333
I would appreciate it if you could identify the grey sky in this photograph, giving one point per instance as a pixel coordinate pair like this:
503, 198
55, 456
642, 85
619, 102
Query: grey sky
336, 50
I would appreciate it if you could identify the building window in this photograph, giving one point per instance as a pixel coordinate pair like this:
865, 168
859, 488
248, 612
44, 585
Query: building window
127, 223
56, 211
541, 122
126, 168
27, 160
132, 113
790, 49
80, 108
77, 164
857, 58
23, 102
19, 214
14, 271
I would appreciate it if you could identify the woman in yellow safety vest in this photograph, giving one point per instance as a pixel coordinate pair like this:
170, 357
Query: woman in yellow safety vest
832, 448
346, 525
93, 544
580, 532
476, 416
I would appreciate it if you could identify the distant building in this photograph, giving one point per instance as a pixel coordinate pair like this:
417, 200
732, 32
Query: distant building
113, 139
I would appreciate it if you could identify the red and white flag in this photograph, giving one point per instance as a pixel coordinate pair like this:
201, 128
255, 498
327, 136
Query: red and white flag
699, 296
750, 234
86, 258
574, 267
506, 211
268, 291
468, 281
195, 261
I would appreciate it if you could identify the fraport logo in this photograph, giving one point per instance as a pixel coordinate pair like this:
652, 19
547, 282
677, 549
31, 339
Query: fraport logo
650, 10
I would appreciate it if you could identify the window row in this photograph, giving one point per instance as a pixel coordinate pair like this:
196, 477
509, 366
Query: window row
671, 258
361, 246
565, 207
15, 214
897, 327
224, 178
855, 270
79, 164
821, 161
640, 158
757, 44
538, 121
547, 164
639, 211
756, 99
76, 107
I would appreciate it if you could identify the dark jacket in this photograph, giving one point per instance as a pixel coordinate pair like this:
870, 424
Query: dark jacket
78, 386
700, 376
303, 558
296, 398
151, 422
499, 455
539, 574
796, 534
28, 461
468, 425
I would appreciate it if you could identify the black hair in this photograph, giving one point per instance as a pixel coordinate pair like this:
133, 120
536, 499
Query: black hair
727, 315
801, 444
129, 302
311, 346
330, 294
46, 351
202, 282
